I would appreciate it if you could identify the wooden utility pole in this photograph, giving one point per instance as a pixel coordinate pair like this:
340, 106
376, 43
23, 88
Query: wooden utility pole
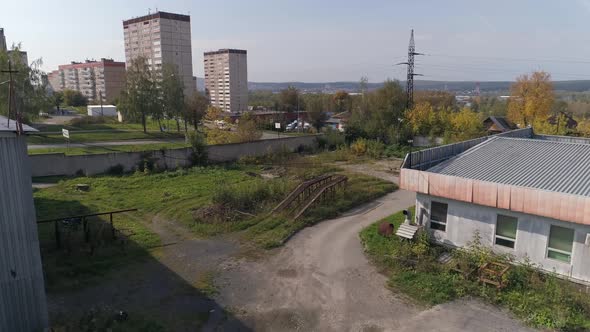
11, 96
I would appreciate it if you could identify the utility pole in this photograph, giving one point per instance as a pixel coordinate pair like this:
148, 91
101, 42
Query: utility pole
11, 97
100, 94
410, 78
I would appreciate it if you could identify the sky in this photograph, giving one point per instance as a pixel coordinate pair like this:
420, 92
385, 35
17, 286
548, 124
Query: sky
325, 40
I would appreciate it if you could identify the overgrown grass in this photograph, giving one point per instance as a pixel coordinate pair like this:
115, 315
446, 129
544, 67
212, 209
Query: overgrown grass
108, 149
207, 200
541, 300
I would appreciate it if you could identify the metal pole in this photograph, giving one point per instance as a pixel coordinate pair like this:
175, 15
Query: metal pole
112, 226
101, 110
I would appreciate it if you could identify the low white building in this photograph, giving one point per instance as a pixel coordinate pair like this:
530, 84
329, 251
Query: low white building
104, 110
524, 194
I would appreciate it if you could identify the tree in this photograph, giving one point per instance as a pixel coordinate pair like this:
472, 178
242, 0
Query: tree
419, 118
172, 91
195, 108
74, 98
139, 98
465, 125
380, 121
247, 129
57, 99
289, 99
531, 99
30, 86
213, 113
341, 100
315, 111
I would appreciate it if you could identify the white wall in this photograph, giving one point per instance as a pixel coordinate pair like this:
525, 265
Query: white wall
107, 110
464, 219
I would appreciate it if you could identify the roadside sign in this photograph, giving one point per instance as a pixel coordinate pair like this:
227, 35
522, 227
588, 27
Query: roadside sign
277, 125
66, 133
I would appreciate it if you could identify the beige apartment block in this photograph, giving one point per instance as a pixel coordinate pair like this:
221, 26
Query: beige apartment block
92, 78
226, 79
162, 38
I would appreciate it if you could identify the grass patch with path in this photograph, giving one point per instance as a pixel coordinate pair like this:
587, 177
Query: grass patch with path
540, 299
108, 149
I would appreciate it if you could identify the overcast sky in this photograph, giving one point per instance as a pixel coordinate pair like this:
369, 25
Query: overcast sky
324, 40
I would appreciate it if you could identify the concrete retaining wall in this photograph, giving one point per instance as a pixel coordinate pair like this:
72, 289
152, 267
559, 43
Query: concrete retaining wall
60, 164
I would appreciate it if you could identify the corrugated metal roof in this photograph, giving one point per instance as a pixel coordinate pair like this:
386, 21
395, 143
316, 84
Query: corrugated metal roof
5, 126
542, 164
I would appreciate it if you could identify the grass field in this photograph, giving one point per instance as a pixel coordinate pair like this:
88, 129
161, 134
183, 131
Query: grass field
101, 136
104, 124
541, 300
178, 196
108, 149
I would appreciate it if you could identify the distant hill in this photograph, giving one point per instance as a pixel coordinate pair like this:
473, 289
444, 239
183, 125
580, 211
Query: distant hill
459, 87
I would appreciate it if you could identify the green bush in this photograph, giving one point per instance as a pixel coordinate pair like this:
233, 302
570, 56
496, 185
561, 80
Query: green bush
199, 155
540, 299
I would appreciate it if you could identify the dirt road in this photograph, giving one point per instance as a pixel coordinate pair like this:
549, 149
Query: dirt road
319, 281
322, 281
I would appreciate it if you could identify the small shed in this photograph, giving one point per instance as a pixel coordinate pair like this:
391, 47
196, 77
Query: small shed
23, 304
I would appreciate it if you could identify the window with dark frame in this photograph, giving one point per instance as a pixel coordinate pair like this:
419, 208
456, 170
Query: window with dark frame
438, 216
560, 244
506, 227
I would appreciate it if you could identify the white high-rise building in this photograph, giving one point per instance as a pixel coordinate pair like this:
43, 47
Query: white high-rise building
162, 38
226, 79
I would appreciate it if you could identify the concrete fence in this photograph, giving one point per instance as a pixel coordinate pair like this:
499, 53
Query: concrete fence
60, 164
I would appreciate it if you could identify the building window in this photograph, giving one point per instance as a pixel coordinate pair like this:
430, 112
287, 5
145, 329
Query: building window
561, 241
438, 216
506, 231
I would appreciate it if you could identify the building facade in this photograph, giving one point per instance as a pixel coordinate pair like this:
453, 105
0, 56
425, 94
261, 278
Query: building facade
520, 194
226, 79
23, 304
93, 79
162, 38
2, 40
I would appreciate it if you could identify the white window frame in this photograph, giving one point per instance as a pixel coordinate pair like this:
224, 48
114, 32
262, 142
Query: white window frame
504, 237
437, 221
570, 254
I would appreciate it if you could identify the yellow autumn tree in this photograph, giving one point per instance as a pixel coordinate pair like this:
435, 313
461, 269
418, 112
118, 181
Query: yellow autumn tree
419, 118
531, 99
465, 125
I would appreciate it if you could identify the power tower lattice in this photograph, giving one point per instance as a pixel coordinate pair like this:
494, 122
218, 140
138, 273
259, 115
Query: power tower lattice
410, 79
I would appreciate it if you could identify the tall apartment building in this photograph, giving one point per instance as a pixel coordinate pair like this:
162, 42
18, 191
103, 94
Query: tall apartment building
91, 78
226, 79
24, 58
2, 40
162, 38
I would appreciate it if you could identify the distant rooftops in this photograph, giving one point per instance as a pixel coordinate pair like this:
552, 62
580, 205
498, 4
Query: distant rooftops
226, 50
170, 16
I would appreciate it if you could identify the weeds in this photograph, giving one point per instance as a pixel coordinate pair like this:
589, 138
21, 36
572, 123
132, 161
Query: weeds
539, 299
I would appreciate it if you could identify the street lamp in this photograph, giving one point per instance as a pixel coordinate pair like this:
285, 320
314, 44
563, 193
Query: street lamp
410, 141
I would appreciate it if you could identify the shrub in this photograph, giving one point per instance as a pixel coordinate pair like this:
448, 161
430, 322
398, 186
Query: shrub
248, 196
331, 140
359, 147
116, 170
199, 155
375, 149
